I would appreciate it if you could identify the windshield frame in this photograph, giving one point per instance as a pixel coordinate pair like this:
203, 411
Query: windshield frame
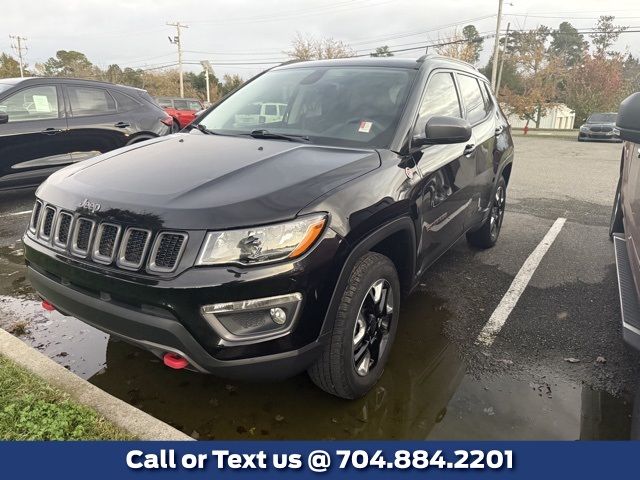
413, 75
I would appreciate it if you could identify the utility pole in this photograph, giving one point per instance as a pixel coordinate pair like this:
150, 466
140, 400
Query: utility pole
207, 67
496, 45
177, 41
504, 54
18, 47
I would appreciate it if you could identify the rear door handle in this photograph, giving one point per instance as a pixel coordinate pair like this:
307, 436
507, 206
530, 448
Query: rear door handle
51, 131
499, 129
469, 149
122, 125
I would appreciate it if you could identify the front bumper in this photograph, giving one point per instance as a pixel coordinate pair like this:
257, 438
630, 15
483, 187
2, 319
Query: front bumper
163, 315
601, 137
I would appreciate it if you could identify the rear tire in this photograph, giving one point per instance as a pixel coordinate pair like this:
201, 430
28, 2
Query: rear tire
487, 235
364, 330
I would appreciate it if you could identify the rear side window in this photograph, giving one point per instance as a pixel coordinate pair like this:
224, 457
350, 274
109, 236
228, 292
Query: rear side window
180, 105
440, 99
486, 95
124, 102
193, 105
90, 101
165, 103
34, 103
472, 98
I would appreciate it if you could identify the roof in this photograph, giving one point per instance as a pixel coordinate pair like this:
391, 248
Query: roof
27, 80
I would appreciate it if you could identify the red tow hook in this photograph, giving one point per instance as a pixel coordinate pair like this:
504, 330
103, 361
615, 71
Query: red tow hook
175, 361
48, 306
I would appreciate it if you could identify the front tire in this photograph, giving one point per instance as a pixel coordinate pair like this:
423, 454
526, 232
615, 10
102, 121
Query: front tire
487, 235
364, 330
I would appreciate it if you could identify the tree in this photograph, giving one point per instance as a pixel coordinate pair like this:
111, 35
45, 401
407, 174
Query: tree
230, 83
68, 64
310, 48
596, 85
465, 46
539, 75
113, 74
474, 40
9, 66
607, 34
568, 44
382, 52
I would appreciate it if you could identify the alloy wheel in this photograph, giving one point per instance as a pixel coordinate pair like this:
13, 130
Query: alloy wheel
497, 212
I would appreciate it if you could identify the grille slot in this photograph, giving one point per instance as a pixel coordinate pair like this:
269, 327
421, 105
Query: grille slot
166, 252
35, 216
82, 236
105, 244
133, 248
47, 222
63, 229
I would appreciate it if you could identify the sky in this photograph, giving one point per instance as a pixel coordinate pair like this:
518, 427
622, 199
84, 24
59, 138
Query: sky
247, 36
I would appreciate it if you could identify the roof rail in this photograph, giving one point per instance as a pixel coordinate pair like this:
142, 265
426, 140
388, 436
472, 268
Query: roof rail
442, 57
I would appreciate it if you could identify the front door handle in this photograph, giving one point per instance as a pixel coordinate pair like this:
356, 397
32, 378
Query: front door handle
499, 129
122, 125
469, 149
51, 131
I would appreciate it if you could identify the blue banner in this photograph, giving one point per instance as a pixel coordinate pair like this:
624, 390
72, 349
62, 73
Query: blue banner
220, 460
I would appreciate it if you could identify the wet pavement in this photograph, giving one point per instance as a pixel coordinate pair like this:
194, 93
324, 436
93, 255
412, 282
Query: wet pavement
439, 384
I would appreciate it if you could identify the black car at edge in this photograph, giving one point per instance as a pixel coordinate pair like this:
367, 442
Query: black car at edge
263, 250
47, 123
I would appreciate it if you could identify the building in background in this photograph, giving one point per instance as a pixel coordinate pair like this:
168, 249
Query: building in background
559, 117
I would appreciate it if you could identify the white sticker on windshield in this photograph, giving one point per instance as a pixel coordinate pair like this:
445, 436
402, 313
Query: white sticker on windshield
365, 126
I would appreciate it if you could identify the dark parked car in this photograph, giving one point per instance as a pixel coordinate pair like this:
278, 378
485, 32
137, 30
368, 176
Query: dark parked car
246, 252
625, 219
600, 126
46, 123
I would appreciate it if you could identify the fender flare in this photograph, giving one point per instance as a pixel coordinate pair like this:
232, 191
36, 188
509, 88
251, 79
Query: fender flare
363, 246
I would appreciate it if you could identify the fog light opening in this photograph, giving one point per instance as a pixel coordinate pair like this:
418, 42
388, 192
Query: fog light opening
48, 306
278, 315
175, 361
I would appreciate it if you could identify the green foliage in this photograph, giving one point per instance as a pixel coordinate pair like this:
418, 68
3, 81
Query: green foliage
30, 409
9, 66
68, 64
607, 35
475, 41
568, 44
382, 52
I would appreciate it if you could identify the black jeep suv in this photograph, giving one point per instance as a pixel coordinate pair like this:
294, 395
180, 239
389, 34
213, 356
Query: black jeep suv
260, 247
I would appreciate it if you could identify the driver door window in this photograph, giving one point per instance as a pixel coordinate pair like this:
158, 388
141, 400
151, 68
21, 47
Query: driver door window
440, 99
34, 103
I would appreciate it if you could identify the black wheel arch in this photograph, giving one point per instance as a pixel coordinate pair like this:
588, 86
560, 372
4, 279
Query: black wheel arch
140, 137
396, 240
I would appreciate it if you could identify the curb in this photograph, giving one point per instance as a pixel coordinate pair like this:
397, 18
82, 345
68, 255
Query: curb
127, 417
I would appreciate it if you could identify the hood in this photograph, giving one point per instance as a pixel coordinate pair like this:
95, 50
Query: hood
196, 181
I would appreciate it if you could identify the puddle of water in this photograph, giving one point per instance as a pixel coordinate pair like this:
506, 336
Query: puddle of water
424, 392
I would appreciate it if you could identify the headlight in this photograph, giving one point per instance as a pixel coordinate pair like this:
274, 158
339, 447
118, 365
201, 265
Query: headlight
262, 244
584, 128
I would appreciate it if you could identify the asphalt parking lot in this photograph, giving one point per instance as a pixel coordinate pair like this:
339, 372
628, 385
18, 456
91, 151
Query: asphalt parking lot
557, 369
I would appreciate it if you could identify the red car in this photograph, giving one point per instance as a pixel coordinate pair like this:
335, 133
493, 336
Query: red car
183, 110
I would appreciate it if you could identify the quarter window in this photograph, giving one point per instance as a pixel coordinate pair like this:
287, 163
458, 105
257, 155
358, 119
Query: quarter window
35, 103
440, 99
472, 98
124, 102
90, 101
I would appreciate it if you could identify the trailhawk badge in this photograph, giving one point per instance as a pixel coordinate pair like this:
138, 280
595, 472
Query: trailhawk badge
91, 206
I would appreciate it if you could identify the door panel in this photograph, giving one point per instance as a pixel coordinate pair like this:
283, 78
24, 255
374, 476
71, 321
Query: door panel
95, 126
35, 141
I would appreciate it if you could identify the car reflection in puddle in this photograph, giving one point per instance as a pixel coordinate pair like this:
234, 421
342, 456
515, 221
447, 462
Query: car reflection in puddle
425, 391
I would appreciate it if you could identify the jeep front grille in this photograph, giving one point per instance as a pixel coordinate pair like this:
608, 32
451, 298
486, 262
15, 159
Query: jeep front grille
105, 242
63, 229
133, 248
166, 251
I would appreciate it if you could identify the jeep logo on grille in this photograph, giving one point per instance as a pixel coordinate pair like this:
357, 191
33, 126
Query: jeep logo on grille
91, 206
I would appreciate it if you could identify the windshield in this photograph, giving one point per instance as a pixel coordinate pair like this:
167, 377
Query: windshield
602, 118
344, 106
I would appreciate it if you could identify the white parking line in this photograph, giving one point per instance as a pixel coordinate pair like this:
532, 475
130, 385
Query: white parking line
520, 282
25, 212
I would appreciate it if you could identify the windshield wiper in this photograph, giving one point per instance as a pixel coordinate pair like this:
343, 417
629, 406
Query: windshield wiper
266, 134
203, 129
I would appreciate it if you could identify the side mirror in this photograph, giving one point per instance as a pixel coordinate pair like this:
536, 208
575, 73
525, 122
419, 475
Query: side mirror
628, 121
4, 118
444, 130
